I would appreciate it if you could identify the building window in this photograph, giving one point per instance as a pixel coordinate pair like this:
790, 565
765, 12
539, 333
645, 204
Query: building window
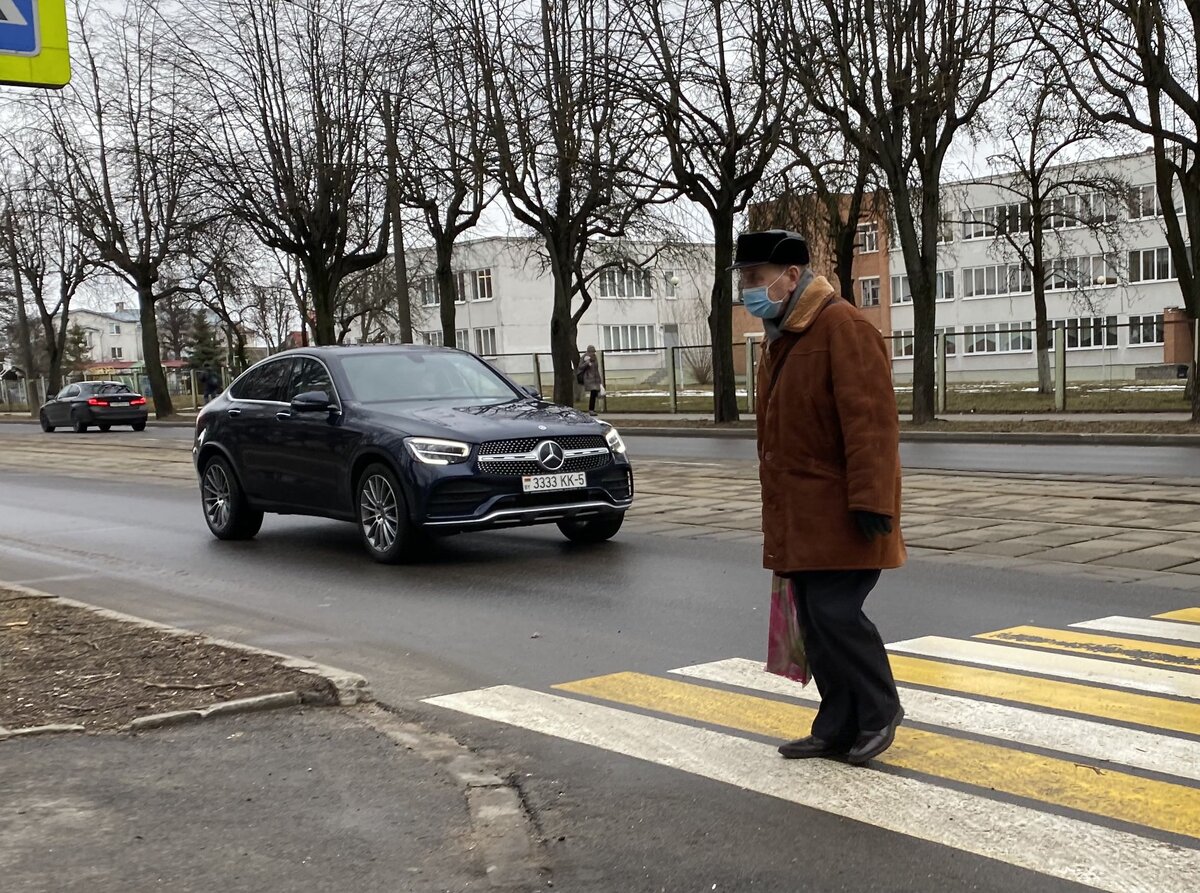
869, 289
996, 279
983, 223
947, 337
485, 342
1144, 203
617, 338
671, 280
433, 339
902, 343
998, 337
1087, 333
114, 329
460, 287
625, 283
482, 282
1146, 329
1087, 271
116, 353
427, 288
868, 238
902, 290
462, 339
1151, 265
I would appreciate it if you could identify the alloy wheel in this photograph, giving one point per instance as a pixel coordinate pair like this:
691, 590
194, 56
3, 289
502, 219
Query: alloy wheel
379, 512
217, 496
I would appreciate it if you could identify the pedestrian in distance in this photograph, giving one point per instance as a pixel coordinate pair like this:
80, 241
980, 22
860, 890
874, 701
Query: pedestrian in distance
829, 463
210, 382
588, 375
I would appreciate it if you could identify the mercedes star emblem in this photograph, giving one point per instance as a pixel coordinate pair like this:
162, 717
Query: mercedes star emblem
550, 455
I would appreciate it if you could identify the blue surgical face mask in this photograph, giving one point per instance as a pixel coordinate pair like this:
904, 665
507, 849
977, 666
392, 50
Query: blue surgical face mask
757, 300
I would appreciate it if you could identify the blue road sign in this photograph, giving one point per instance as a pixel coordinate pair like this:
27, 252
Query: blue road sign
19, 28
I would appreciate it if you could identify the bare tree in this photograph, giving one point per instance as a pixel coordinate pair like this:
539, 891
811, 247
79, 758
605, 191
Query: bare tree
132, 187
437, 144
175, 315
710, 73
567, 137
46, 252
272, 313
1134, 64
288, 136
1049, 185
901, 79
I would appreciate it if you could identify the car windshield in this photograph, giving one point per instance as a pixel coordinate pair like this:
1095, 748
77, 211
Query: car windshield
108, 387
424, 376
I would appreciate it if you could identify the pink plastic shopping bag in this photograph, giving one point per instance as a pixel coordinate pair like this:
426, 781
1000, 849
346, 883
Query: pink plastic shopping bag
785, 644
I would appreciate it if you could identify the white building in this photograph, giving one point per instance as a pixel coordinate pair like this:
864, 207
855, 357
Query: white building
1110, 289
506, 292
112, 336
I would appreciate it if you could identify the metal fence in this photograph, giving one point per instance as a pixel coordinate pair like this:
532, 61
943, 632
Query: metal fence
183, 385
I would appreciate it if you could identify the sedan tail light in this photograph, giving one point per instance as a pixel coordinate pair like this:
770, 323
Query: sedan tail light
96, 401
138, 401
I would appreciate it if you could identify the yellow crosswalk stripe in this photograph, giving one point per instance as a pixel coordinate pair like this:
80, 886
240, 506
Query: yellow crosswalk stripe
1188, 615
1117, 795
1070, 697
1095, 645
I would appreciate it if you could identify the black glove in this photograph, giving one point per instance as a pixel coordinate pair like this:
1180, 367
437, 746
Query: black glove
872, 524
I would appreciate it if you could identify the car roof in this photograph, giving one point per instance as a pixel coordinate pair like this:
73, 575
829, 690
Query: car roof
345, 350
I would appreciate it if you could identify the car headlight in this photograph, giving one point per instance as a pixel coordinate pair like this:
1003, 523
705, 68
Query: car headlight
614, 441
432, 451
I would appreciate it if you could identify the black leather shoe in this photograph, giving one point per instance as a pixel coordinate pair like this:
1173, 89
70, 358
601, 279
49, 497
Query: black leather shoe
812, 746
871, 744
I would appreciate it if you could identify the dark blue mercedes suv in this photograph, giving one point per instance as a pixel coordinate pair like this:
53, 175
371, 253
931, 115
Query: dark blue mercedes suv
404, 441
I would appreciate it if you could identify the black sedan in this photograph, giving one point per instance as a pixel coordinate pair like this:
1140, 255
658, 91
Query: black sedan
99, 404
404, 441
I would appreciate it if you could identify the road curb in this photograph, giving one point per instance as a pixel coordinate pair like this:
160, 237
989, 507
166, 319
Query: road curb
501, 827
152, 423
1052, 438
348, 688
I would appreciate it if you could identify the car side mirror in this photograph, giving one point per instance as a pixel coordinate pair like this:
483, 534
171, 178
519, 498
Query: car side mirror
312, 401
532, 391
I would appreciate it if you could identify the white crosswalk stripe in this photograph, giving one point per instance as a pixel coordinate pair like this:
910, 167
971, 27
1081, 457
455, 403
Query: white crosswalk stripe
1045, 775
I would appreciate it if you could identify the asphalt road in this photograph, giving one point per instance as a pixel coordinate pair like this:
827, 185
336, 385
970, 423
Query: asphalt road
528, 609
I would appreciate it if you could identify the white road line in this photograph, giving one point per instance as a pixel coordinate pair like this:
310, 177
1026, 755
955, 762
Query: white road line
1074, 850
1080, 737
1138, 626
1063, 666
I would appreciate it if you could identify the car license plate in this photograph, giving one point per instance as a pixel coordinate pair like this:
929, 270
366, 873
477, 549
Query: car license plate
539, 483
119, 404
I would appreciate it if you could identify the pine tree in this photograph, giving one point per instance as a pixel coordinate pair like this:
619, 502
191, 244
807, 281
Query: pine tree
76, 353
206, 349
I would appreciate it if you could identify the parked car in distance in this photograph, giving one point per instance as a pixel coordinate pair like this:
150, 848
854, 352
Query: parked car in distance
99, 404
404, 441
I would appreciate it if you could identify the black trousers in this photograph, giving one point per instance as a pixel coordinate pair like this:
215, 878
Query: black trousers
592, 401
845, 654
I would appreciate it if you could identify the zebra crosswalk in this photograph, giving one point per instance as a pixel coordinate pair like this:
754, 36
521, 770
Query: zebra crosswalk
1071, 752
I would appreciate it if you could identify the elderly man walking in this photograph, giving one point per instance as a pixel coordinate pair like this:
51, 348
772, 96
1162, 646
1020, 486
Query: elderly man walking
829, 462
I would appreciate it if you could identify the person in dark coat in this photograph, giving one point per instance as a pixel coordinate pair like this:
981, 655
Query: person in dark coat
829, 463
588, 375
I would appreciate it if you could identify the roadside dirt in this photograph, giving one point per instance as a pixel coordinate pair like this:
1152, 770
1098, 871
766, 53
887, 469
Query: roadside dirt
61, 664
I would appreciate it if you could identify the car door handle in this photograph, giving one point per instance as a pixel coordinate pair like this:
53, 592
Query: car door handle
283, 415
233, 413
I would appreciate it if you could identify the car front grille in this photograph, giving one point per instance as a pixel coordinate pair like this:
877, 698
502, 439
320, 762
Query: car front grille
518, 459
458, 498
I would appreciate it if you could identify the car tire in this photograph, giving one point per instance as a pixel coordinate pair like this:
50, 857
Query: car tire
46, 426
139, 426
226, 511
78, 425
382, 516
105, 427
592, 530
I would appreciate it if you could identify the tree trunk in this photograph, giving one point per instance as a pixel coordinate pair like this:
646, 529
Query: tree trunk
26, 340
720, 322
924, 379
444, 274
564, 334
1041, 323
400, 272
163, 407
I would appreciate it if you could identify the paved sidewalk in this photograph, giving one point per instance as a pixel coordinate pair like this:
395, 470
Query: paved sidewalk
291, 800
